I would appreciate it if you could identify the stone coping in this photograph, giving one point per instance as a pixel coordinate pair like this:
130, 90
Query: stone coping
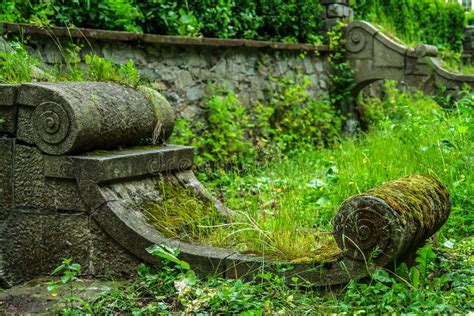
105, 35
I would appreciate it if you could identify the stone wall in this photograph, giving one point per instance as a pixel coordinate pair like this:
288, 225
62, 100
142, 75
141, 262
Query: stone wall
468, 43
183, 68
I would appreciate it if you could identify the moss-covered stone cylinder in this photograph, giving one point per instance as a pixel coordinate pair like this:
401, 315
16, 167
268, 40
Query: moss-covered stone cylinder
390, 221
74, 117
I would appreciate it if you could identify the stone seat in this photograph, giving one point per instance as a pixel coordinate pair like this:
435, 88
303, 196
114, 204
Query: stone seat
72, 174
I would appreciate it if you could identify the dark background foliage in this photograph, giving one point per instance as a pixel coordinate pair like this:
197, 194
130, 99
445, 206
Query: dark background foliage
435, 22
286, 20
430, 21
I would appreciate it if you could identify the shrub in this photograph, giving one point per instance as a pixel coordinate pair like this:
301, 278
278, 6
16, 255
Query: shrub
435, 22
231, 133
294, 20
469, 18
220, 138
299, 119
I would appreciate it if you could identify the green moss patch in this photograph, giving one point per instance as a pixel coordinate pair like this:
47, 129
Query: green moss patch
419, 199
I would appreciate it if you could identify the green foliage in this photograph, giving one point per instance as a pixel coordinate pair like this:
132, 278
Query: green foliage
341, 81
123, 15
102, 69
295, 20
231, 134
454, 62
431, 286
168, 254
16, 66
174, 288
120, 15
289, 20
441, 282
298, 119
435, 22
469, 17
69, 297
222, 133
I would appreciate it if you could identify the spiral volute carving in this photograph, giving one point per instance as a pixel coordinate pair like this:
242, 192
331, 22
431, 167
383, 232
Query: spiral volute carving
364, 226
51, 123
356, 40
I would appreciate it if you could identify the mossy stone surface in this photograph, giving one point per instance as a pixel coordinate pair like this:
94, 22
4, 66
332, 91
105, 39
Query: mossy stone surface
391, 220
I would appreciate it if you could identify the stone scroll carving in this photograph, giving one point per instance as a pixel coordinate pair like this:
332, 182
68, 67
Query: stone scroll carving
68, 117
391, 220
375, 56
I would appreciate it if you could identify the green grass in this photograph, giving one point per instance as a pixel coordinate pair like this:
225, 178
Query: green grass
18, 66
285, 201
278, 202
284, 206
455, 63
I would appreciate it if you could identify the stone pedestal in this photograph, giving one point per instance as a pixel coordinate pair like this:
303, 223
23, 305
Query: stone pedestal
334, 11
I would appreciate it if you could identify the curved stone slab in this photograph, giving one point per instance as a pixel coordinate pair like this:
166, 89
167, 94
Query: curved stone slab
364, 224
376, 56
116, 207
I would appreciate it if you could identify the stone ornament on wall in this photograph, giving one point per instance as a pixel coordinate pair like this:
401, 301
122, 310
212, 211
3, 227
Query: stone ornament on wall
375, 56
356, 40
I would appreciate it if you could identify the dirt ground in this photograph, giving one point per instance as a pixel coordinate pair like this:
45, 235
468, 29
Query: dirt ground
33, 297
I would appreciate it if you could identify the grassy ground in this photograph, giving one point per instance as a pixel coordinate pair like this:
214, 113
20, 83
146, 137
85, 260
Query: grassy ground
284, 198
287, 200
284, 206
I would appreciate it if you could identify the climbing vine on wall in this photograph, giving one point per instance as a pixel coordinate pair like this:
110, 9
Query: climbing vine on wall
341, 81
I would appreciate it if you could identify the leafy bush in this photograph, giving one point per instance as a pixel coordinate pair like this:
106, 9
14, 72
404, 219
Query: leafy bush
231, 133
469, 17
435, 22
299, 119
220, 138
294, 20
16, 65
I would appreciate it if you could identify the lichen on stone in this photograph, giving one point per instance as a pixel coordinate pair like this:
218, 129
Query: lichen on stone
420, 199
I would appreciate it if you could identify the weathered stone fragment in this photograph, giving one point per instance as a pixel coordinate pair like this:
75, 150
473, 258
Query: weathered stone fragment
22, 249
104, 251
69, 117
376, 56
390, 221
65, 235
7, 108
6, 176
